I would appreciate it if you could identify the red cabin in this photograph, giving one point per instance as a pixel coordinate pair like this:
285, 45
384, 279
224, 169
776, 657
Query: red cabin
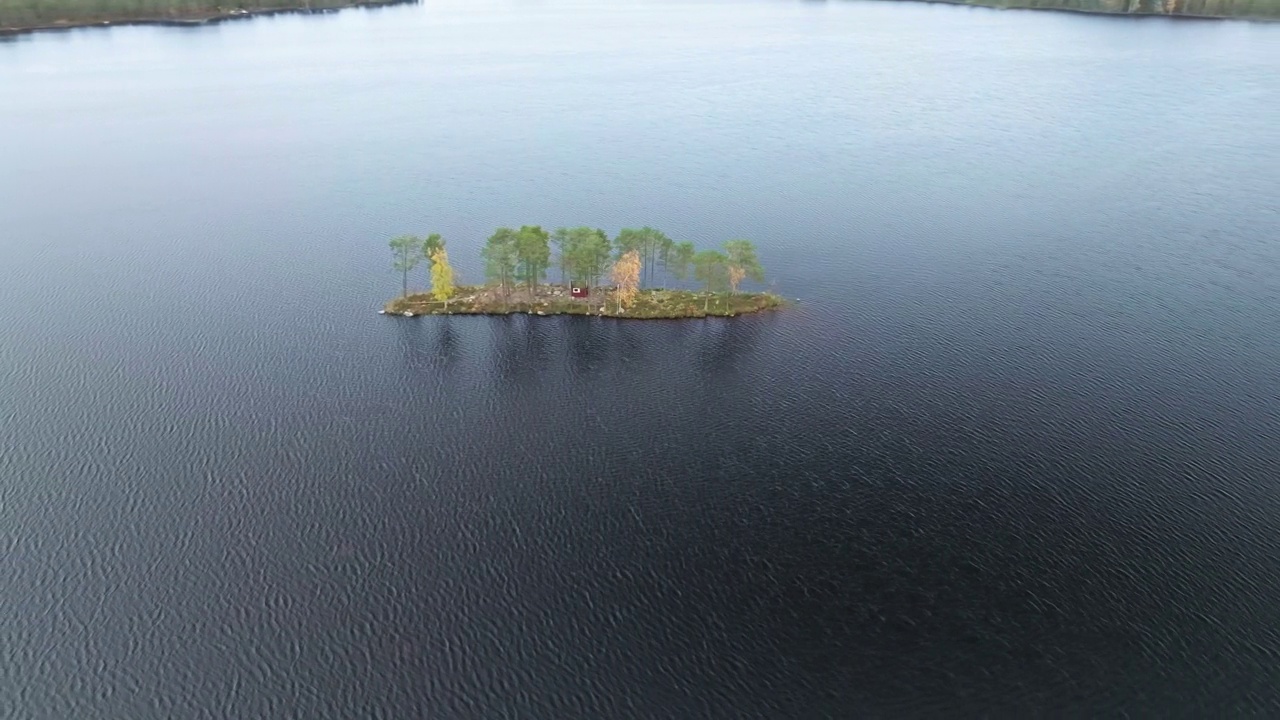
578, 291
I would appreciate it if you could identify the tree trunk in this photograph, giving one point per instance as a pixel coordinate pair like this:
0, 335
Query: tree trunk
405, 284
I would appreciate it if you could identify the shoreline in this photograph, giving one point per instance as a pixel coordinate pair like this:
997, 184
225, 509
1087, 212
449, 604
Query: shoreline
991, 5
198, 19
549, 300
202, 18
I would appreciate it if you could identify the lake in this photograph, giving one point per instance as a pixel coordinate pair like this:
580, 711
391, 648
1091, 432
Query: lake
1014, 452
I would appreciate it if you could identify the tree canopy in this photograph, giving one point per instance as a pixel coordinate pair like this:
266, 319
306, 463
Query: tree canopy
648, 243
742, 255
406, 252
533, 254
501, 257
711, 268
433, 243
585, 256
441, 276
626, 278
677, 259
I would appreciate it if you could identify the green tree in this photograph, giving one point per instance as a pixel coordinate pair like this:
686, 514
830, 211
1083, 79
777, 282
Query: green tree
595, 254
711, 268
647, 242
679, 257
584, 253
660, 249
500, 258
742, 257
406, 253
441, 276
628, 239
560, 239
533, 254
430, 245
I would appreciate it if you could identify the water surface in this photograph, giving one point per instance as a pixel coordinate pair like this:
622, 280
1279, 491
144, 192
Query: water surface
1013, 453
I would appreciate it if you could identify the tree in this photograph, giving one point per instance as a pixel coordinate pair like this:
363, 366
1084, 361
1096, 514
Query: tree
406, 254
584, 253
679, 257
661, 248
626, 278
433, 243
430, 245
646, 241
743, 262
628, 239
631, 240
441, 277
533, 254
595, 256
500, 258
560, 238
710, 267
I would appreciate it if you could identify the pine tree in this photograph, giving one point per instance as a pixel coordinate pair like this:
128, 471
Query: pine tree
406, 254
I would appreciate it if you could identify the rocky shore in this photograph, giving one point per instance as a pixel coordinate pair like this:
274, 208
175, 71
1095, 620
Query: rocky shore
652, 304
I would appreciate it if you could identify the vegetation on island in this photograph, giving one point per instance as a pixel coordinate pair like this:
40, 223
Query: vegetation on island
16, 15
517, 263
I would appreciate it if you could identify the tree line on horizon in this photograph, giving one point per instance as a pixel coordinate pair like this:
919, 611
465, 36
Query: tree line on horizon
584, 256
29, 13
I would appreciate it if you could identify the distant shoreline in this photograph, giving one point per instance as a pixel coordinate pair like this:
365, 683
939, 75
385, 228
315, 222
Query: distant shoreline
198, 18
1012, 5
217, 13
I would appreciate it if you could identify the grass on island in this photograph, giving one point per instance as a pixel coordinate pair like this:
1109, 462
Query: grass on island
30, 14
556, 300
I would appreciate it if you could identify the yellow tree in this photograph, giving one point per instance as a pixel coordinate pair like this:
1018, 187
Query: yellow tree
441, 277
626, 278
736, 274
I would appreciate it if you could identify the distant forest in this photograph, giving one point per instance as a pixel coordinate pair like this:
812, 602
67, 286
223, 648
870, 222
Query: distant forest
21, 14
37, 13
1198, 8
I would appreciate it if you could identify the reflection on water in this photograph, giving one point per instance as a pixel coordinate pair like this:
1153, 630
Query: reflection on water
726, 342
445, 344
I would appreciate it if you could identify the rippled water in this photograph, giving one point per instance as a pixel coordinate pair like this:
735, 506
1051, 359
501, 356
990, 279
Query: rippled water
1014, 453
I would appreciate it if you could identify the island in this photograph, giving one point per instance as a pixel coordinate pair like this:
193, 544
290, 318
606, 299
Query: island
19, 17
517, 262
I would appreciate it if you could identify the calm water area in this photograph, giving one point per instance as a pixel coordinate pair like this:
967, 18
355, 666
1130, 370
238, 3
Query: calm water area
1015, 452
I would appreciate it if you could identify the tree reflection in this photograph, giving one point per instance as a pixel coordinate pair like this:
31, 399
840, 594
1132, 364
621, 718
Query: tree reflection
519, 347
429, 343
445, 344
726, 341
588, 345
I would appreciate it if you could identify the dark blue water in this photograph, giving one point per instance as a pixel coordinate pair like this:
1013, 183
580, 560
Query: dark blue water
1015, 452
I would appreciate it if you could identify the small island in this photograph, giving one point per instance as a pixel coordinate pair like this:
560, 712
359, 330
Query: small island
517, 263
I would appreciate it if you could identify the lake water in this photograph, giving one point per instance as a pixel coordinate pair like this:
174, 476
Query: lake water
1015, 452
